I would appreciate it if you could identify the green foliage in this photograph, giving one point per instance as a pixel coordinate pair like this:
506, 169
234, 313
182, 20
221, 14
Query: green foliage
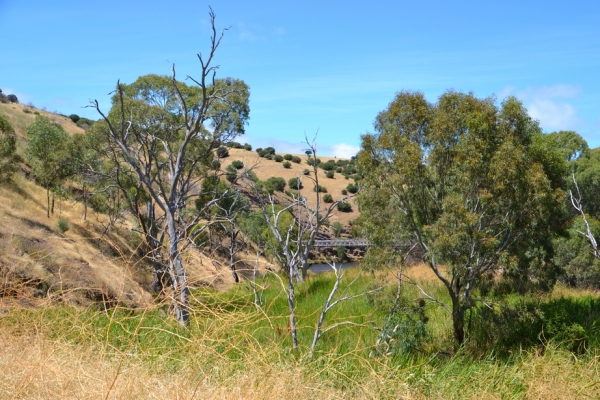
337, 228
278, 158
287, 165
475, 183
275, 183
587, 173
288, 157
319, 188
247, 147
62, 225
270, 150
74, 118
572, 254
47, 152
305, 172
231, 173
344, 192
268, 156
296, 159
327, 198
237, 164
295, 183
8, 147
327, 166
344, 206
330, 174
352, 188
312, 162
215, 165
222, 152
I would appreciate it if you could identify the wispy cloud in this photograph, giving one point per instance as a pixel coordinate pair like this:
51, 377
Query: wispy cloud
547, 104
246, 33
344, 150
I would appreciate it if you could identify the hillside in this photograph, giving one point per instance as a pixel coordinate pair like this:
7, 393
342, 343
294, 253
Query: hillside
265, 169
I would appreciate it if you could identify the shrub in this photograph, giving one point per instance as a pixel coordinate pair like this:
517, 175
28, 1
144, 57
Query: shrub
295, 183
270, 150
327, 198
237, 164
341, 253
292, 193
261, 152
337, 228
247, 147
296, 159
319, 188
230, 173
74, 118
344, 192
277, 183
328, 166
12, 98
222, 152
278, 158
330, 174
306, 172
344, 206
258, 150
268, 156
287, 165
288, 157
352, 188
215, 164
62, 225
338, 170
312, 162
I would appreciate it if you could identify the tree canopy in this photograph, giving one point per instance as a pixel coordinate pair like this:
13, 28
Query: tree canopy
470, 185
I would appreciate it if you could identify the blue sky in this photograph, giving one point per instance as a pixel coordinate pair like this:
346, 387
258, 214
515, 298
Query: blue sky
314, 66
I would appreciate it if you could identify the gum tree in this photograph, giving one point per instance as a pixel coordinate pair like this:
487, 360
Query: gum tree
470, 185
165, 133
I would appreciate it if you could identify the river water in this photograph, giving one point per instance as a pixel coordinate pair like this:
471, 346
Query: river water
318, 268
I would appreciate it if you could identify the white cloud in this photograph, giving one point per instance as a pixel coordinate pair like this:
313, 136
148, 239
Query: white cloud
344, 150
547, 105
245, 33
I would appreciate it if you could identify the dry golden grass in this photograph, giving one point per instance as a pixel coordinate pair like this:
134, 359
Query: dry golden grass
265, 169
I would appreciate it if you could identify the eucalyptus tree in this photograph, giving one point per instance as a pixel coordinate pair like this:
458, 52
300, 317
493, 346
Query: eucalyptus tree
47, 153
165, 132
470, 185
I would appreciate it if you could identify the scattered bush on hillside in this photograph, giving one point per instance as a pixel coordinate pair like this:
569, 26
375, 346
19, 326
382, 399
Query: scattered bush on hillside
278, 158
288, 157
230, 173
327, 166
62, 225
268, 156
295, 183
319, 188
330, 174
344, 192
222, 152
344, 206
352, 188
215, 165
327, 198
270, 150
237, 164
306, 172
12, 98
259, 149
296, 159
233, 145
287, 165
277, 183
74, 118
247, 147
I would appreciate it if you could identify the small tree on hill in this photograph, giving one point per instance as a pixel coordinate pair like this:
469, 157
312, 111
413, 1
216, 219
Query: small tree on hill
47, 154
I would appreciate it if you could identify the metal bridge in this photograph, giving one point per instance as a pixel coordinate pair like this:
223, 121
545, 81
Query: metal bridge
342, 243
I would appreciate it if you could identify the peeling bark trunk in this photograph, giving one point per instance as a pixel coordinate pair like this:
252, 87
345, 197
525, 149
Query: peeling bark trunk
179, 280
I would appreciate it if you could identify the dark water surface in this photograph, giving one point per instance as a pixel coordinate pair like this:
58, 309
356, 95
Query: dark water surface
318, 268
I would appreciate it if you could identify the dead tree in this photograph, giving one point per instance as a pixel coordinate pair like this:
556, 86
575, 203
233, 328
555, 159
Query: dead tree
167, 139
